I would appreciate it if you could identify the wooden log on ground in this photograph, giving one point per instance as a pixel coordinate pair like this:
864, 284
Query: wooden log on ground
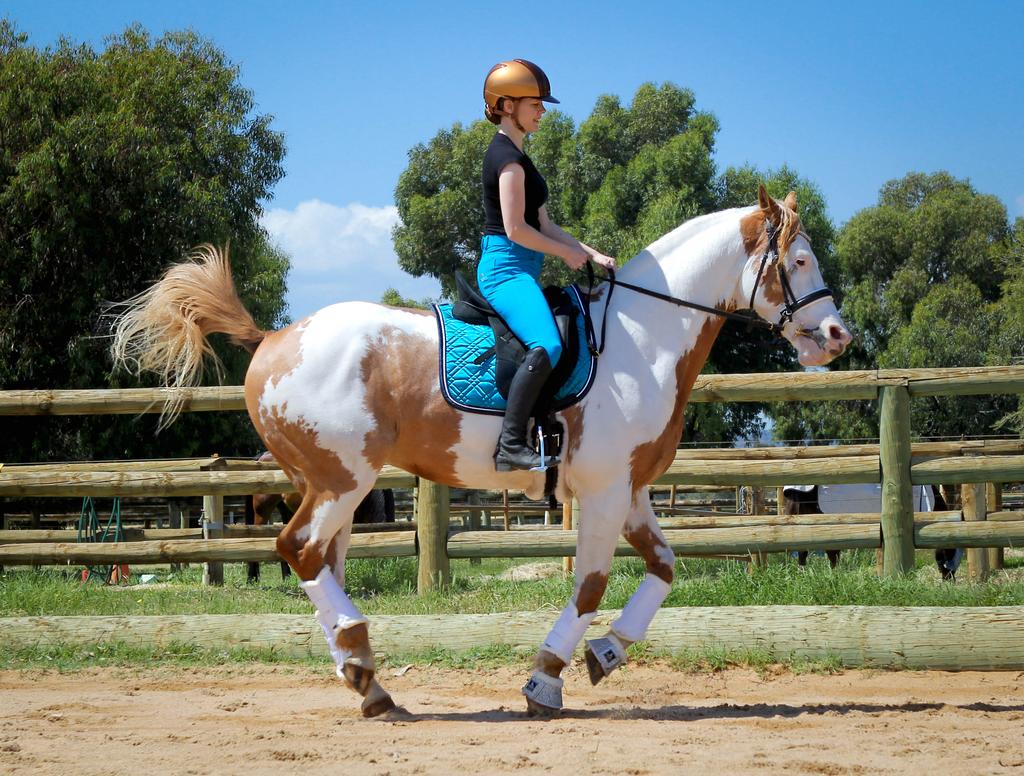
919, 637
705, 541
368, 545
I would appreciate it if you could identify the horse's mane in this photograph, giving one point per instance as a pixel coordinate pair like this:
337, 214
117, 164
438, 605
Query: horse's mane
790, 228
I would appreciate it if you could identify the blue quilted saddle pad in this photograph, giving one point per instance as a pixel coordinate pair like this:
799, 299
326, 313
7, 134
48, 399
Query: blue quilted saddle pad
471, 387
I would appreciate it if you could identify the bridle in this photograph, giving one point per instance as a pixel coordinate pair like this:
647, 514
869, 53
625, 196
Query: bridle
789, 308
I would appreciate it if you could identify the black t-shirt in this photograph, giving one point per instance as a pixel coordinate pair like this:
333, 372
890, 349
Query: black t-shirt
501, 152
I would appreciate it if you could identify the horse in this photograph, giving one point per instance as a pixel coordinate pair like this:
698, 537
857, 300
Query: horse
840, 499
377, 507
354, 386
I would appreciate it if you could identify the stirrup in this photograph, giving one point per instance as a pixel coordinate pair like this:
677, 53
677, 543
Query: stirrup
543, 466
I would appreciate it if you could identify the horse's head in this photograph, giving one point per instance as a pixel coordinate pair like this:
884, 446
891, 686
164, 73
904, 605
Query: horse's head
783, 284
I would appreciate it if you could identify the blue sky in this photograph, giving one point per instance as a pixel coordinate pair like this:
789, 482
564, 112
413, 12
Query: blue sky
850, 95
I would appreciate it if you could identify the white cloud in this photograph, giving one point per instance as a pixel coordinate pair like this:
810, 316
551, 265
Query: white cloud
341, 253
1020, 205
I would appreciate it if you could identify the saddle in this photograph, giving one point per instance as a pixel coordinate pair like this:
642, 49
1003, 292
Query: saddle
479, 356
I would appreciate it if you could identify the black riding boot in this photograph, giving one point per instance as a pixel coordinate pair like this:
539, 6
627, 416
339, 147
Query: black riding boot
513, 451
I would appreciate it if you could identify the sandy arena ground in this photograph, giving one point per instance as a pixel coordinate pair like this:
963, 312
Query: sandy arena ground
256, 720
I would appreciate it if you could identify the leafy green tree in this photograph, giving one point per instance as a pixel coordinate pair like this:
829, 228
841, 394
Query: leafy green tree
922, 275
112, 165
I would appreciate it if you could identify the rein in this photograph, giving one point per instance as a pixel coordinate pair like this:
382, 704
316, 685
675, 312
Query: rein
792, 304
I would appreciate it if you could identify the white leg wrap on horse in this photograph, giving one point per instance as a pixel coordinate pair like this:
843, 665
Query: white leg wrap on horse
641, 608
545, 690
567, 632
328, 597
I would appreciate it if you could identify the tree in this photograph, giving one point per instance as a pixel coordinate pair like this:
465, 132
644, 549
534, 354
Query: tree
112, 165
922, 275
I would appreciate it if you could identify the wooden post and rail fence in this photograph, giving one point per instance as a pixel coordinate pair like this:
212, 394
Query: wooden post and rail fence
895, 462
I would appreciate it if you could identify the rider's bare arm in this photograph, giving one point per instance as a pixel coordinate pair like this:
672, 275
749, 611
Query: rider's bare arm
512, 193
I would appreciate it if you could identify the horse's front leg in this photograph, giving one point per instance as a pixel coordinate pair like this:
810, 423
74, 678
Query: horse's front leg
642, 531
601, 518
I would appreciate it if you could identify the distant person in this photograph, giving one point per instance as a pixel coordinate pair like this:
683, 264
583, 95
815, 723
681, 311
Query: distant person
517, 235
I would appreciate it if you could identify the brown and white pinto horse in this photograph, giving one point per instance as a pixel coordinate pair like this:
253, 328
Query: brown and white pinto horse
354, 386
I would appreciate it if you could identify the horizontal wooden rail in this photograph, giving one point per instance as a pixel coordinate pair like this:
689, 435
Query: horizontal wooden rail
782, 386
704, 541
28, 535
919, 450
391, 544
917, 637
170, 483
983, 533
958, 470
813, 471
855, 518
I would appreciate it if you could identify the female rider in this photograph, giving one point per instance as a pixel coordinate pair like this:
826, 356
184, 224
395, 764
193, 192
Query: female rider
517, 235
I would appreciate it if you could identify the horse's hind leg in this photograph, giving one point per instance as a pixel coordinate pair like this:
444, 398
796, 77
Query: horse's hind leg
314, 543
642, 531
600, 521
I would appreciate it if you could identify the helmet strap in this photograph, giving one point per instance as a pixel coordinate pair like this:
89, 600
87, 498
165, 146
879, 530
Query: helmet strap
512, 114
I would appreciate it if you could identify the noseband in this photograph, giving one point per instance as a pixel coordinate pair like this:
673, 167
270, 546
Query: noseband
792, 304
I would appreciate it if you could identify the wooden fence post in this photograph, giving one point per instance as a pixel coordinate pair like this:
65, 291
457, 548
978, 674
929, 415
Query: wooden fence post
897, 493
972, 496
994, 502
473, 517
432, 516
213, 528
757, 507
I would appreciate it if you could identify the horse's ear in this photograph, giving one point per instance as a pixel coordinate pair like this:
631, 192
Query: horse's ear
769, 206
790, 201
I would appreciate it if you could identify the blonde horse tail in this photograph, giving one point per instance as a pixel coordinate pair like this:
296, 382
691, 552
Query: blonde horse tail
164, 329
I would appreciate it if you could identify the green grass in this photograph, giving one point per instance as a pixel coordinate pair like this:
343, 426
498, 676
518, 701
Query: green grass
387, 586
68, 659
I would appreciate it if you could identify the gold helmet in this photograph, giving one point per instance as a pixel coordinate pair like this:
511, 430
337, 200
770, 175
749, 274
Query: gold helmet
514, 79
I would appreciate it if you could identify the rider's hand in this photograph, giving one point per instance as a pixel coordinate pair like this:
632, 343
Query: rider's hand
605, 261
575, 257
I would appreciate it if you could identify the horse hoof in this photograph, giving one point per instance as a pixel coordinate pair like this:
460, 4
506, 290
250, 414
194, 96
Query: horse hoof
536, 710
593, 666
378, 706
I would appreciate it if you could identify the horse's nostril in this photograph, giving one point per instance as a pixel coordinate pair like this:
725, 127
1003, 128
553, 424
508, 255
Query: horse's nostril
836, 333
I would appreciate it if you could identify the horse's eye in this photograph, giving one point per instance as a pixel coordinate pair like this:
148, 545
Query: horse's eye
801, 262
